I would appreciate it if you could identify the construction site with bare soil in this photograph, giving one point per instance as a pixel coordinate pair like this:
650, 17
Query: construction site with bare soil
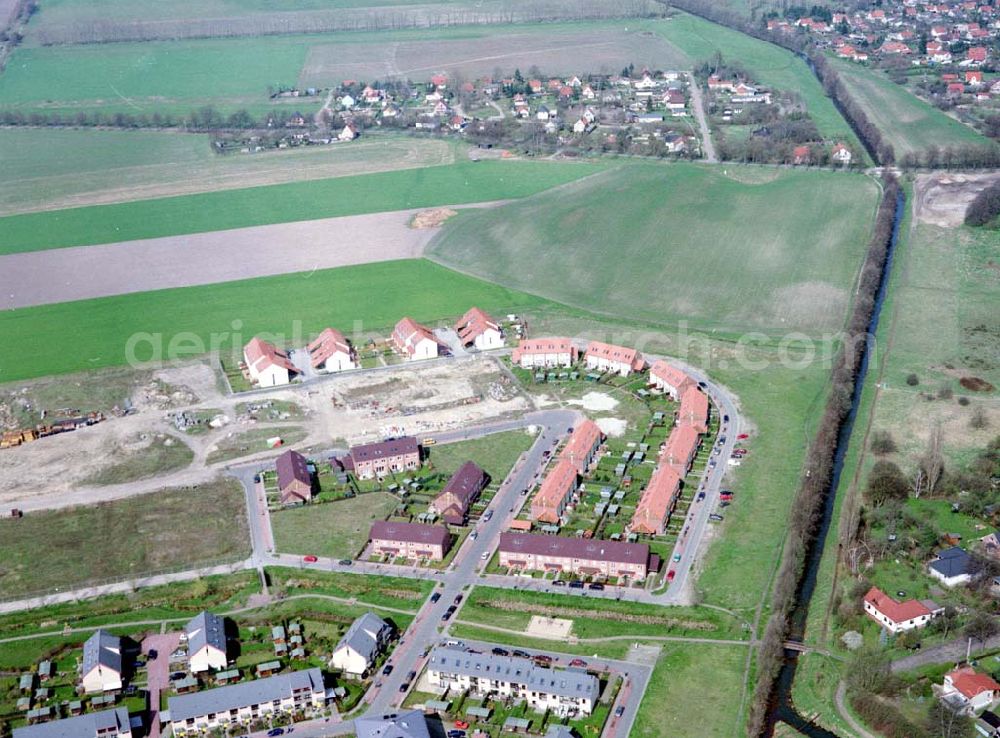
176, 426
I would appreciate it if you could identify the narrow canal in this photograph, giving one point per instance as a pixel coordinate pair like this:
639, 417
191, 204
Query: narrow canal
782, 709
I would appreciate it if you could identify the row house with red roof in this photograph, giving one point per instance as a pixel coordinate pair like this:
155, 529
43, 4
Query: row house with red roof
657, 502
670, 380
606, 357
583, 444
544, 352
555, 494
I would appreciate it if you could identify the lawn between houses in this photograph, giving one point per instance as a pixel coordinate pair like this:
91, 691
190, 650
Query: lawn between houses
450, 184
338, 525
123, 539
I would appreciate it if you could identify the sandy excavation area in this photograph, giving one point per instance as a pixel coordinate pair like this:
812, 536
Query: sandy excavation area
942, 197
82, 272
349, 408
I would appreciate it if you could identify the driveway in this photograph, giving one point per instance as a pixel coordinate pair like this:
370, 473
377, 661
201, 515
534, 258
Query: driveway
158, 671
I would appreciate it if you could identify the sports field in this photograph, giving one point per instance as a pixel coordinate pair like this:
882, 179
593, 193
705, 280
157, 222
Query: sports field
48, 169
462, 182
910, 124
767, 250
90, 334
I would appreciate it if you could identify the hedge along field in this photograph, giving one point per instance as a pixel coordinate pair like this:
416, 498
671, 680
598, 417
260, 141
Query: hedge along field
463, 182
750, 249
90, 334
910, 124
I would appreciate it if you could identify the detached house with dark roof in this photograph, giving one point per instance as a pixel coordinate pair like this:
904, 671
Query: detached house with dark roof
102, 663
951, 567
294, 478
205, 635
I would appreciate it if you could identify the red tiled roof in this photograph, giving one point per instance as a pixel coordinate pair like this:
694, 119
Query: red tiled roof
558, 485
670, 374
473, 324
260, 354
971, 683
531, 346
585, 438
897, 612
408, 333
680, 446
657, 500
327, 343
619, 354
694, 409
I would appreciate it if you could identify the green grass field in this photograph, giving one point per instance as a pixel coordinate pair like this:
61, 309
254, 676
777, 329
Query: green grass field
173, 528
910, 124
411, 188
759, 249
336, 529
47, 169
694, 692
90, 334
495, 453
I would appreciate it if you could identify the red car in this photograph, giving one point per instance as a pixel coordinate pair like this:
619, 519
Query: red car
742, 437
670, 575
310, 559
578, 662
461, 725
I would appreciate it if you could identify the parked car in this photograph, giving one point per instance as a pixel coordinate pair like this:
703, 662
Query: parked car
387, 670
559, 583
461, 725
456, 734
742, 436
310, 559
411, 676
275, 732
497, 651
458, 599
346, 562
178, 675
542, 658
404, 687
579, 663
520, 654
435, 597
725, 418
152, 654
488, 515
474, 535
620, 710
448, 613
576, 584
484, 555
701, 496
716, 517
670, 575
596, 586
524, 492
677, 557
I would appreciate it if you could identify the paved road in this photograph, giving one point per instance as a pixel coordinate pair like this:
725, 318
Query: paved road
953, 650
697, 103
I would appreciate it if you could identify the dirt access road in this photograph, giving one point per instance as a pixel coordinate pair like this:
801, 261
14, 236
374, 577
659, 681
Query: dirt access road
83, 272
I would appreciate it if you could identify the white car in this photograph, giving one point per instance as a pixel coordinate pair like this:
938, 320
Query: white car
485, 555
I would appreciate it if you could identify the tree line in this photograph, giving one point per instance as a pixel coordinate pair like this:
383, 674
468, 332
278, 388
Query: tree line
814, 487
985, 207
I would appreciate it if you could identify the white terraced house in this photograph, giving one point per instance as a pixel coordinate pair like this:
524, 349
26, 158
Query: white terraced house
240, 704
564, 692
544, 352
